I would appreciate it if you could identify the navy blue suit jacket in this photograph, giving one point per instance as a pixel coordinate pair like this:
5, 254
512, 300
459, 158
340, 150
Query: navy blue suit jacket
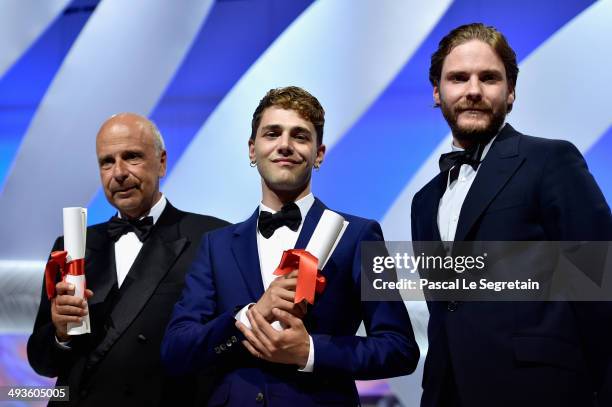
521, 353
226, 276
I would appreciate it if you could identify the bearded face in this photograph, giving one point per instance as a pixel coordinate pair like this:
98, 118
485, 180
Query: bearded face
473, 92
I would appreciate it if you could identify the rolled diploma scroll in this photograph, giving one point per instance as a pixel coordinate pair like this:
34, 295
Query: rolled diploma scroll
323, 241
75, 231
326, 236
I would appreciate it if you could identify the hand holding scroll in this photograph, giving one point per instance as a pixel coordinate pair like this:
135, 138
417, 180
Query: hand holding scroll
66, 307
280, 294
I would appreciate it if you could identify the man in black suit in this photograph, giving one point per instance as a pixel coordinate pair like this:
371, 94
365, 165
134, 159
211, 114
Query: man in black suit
135, 266
501, 185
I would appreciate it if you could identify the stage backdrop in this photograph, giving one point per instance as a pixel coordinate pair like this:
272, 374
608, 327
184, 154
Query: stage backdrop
199, 67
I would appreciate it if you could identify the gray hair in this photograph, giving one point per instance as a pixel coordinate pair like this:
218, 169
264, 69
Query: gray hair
158, 140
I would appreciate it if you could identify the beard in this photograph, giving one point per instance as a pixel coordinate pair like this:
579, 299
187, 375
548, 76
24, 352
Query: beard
474, 133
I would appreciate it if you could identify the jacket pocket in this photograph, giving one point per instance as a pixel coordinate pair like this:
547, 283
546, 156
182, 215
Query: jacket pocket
220, 395
547, 351
499, 204
169, 288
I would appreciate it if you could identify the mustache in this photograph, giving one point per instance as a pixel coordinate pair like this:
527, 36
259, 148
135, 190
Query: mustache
473, 106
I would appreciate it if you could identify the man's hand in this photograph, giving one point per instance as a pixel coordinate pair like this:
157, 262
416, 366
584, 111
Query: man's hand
289, 346
280, 294
65, 307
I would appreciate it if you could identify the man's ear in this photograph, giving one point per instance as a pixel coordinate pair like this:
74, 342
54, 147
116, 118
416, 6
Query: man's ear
252, 150
163, 160
511, 97
320, 155
436, 96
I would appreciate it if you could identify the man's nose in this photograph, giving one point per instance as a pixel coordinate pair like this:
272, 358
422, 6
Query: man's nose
284, 145
120, 172
474, 90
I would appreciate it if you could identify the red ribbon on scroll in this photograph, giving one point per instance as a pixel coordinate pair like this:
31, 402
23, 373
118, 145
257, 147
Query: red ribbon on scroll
309, 279
57, 263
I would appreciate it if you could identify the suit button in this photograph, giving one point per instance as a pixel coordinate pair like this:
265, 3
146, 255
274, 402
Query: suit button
259, 398
452, 306
142, 338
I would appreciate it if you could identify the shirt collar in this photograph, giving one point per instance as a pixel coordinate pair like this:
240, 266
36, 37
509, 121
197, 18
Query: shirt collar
304, 204
155, 211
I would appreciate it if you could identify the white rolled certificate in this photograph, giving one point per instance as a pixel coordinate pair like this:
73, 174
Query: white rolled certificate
75, 232
326, 236
323, 242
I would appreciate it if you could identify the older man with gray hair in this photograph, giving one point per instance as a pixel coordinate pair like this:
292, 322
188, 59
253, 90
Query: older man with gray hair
135, 265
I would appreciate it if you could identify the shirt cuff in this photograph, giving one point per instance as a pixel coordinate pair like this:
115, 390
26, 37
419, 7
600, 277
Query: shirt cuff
62, 345
242, 316
310, 363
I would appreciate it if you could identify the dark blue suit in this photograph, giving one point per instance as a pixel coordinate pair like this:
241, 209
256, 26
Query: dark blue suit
226, 276
520, 354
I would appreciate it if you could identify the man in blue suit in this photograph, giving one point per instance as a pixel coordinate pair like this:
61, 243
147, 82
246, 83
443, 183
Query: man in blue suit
501, 185
224, 320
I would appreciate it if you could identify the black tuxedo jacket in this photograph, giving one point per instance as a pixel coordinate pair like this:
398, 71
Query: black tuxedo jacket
119, 362
520, 353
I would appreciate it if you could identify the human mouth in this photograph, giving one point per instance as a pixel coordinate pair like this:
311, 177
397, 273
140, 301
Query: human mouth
285, 162
125, 191
473, 111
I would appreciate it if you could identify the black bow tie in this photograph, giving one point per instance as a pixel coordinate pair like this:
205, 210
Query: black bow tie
118, 227
453, 161
289, 216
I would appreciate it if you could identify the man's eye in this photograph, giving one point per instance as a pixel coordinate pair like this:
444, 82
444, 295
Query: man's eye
270, 134
458, 78
105, 165
132, 158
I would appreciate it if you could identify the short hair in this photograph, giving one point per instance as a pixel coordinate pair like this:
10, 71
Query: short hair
475, 31
158, 140
292, 98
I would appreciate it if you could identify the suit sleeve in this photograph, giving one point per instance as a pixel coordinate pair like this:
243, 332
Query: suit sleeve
574, 209
388, 350
196, 337
572, 205
45, 357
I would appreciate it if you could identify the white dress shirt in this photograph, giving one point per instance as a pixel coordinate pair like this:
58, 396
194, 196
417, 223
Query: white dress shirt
128, 246
270, 253
451, 202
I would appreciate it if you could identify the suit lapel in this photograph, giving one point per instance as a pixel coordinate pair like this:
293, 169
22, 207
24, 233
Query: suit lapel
153, 262
100, 270
499, 165
428, 208
244, 249
244, 246
310, 223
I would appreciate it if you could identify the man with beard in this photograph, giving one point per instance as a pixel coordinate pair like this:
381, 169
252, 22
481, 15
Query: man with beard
500, 185
225, 318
